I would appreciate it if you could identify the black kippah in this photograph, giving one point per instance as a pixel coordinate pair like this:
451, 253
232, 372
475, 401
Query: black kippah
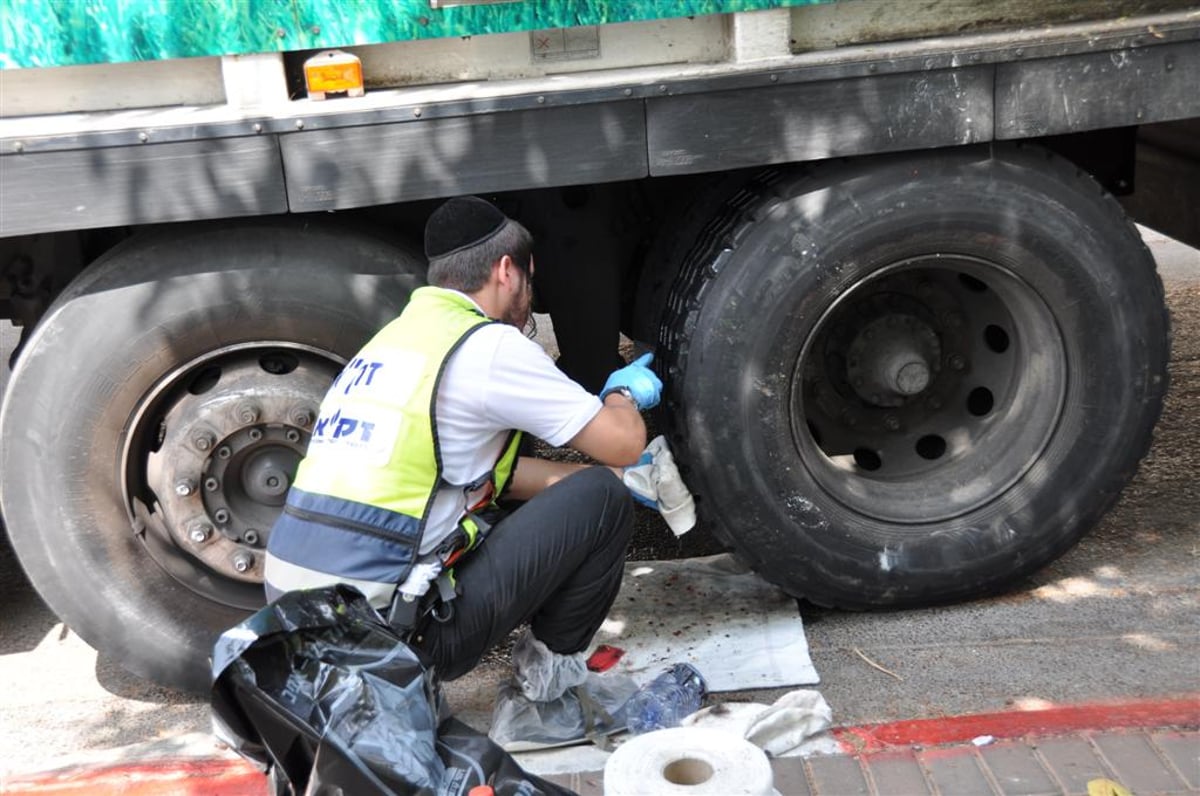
460, 223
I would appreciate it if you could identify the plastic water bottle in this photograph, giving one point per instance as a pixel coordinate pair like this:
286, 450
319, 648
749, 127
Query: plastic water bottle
666, 700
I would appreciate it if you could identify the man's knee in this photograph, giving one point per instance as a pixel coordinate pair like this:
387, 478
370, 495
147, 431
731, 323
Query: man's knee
599, 478
609, 499
602, 485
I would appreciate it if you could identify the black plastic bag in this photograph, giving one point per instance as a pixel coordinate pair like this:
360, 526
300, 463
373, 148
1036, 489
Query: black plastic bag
318, 690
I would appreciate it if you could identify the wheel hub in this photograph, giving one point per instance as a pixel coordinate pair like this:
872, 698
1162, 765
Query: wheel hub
248, 477
268, 472
927, 388
892, 359
232, 434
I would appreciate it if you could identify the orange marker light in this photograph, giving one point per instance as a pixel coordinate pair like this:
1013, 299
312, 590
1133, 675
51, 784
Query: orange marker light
333, 71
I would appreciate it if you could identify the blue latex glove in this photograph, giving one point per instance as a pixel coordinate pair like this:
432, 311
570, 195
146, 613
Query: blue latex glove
642, 383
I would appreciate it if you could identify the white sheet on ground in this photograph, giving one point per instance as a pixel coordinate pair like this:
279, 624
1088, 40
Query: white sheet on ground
741, 632
738, 630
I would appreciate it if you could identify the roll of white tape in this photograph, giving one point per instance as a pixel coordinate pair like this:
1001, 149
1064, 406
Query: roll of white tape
688, 760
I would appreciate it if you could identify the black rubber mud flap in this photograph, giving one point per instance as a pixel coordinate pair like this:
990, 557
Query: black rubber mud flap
913, 379
154, 415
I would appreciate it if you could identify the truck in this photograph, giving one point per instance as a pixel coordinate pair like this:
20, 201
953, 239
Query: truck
912, 344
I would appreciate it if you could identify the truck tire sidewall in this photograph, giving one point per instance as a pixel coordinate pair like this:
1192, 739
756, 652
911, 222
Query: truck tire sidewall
825, 234
140, 313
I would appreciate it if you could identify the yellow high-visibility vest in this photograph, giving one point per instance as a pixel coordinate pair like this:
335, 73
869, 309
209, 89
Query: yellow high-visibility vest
362, 495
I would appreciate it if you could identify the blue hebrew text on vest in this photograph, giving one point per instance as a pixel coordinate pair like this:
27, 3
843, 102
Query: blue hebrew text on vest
358, 373
337, 427
362, 411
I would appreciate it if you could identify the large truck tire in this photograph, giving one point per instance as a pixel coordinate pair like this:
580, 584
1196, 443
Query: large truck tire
155, 418
909, 380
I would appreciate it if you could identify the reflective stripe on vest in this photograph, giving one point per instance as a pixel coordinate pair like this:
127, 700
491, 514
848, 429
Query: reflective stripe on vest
362, 495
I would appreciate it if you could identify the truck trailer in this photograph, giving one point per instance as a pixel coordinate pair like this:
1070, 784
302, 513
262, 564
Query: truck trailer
912, 343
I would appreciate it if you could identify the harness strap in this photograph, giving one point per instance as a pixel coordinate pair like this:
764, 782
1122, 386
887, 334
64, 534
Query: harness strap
443, 608
595, 719
413, 599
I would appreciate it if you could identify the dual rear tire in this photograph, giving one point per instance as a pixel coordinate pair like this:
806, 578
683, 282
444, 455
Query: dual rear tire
913, 379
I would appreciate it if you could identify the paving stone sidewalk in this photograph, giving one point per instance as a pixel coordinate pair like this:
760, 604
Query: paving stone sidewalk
1144, 761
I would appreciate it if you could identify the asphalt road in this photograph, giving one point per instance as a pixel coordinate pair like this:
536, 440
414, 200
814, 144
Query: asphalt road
1116, 618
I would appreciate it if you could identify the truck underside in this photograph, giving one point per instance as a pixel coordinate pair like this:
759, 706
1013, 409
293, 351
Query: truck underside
912, 345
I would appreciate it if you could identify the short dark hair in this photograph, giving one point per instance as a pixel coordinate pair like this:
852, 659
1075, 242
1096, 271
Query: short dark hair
467, 270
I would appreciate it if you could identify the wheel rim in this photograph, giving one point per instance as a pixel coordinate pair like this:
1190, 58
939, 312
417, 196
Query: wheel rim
210, 456
928, 389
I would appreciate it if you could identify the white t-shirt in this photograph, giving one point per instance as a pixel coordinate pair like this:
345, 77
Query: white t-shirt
497, 380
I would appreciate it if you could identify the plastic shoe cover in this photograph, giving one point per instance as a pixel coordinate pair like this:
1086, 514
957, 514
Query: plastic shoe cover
655, 481
520, 725
542, 674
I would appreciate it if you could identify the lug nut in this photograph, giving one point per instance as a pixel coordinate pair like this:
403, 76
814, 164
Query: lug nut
247, 413
221, 516
255, 434
302, 418
212, 484
892, 423
203, 441
185, 487
250, 536
224, 452
958, 362
200, 532
292, 435
243, 561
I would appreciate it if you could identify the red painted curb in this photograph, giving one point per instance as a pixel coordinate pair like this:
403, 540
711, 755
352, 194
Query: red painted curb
1057, 720
239, 778
160, 778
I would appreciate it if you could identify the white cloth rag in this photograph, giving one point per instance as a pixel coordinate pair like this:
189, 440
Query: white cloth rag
779, 729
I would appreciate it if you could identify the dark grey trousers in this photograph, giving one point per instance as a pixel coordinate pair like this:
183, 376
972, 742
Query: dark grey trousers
556, 562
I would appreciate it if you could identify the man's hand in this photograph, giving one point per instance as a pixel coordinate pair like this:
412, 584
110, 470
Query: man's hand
643, 385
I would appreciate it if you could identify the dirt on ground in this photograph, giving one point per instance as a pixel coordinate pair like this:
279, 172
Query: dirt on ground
1166, 489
